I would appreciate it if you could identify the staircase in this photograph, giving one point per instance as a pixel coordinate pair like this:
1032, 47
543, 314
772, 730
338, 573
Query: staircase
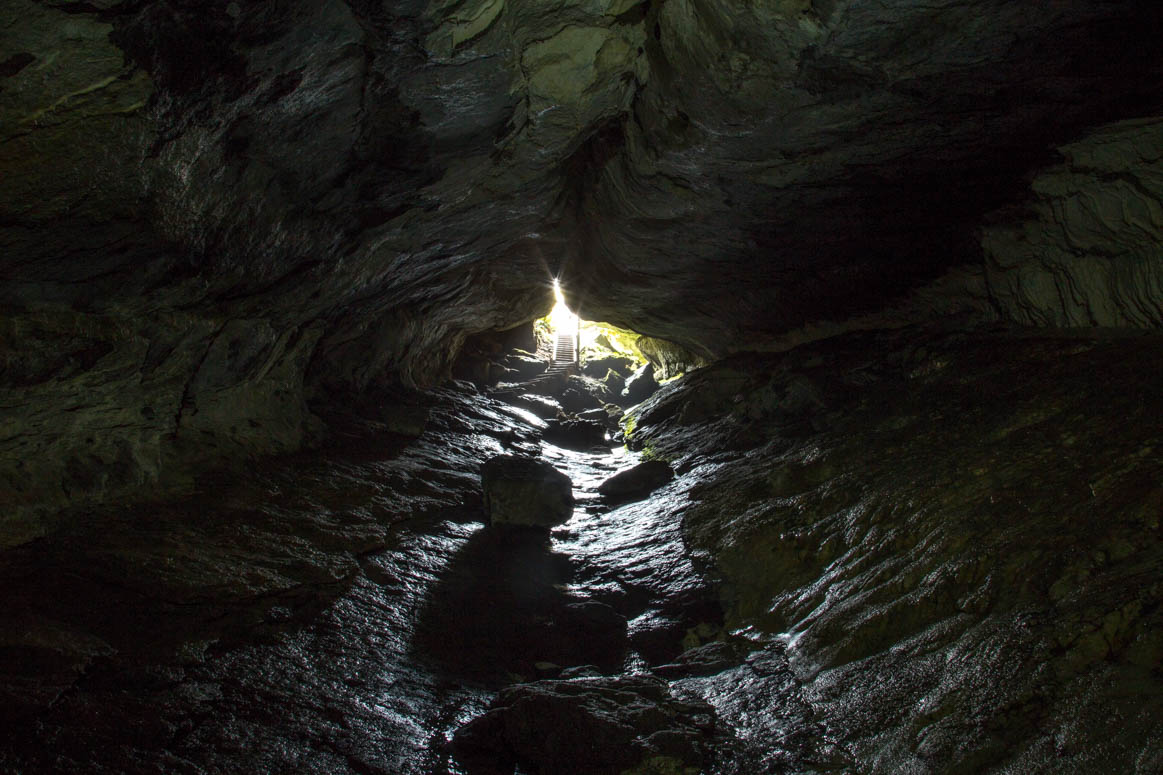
564, 351
563, 363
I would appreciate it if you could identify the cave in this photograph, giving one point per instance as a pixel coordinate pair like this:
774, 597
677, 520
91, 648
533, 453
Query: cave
863, 474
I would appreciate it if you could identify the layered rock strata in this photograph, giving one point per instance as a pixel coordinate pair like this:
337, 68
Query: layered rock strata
217, 218
955, 539
1089, 250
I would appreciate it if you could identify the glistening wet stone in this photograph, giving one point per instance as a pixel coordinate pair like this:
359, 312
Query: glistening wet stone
637, 482
886, 551
595, 726
334, 613
950, 540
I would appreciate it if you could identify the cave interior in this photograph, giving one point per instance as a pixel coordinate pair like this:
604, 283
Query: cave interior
859, 469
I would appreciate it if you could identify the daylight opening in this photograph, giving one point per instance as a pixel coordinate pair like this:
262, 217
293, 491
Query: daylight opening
562, 317
567, 338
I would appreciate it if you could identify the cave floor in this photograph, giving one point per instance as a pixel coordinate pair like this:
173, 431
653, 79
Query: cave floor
933, 551
332, 612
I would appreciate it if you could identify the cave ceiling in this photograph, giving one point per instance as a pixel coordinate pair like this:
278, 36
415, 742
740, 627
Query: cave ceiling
705, 170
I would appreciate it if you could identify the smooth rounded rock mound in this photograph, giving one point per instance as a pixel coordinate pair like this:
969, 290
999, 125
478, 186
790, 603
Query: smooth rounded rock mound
590, 726
525, 491
636, 482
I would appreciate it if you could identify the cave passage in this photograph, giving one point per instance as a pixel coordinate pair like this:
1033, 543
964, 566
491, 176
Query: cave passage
855, 463
363, 598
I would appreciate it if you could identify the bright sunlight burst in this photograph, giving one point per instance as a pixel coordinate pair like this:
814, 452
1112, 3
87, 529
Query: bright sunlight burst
561, 317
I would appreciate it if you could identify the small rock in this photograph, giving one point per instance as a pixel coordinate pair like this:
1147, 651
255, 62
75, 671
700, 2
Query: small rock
636, 482
524, 491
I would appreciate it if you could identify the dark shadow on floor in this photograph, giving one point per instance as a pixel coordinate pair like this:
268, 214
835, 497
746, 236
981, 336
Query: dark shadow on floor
500, 611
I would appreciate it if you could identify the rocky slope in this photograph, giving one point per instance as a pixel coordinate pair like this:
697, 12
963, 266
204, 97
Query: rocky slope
954, 538
343, 611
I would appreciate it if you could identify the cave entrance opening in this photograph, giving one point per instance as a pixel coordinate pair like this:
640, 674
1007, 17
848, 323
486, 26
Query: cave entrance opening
569, 339
565, 329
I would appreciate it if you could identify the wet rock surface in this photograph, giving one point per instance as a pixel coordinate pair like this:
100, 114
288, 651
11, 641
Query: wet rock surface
498, 610
577, 434
709, 659
545, 407
331, 613
596, 726
639, 386
953, 537
936, 558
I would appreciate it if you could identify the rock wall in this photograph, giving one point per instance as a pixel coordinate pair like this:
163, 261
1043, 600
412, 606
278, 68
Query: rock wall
789, 163
957, 551
98, 406
192, 240
667, 358
217, 217
1088, 251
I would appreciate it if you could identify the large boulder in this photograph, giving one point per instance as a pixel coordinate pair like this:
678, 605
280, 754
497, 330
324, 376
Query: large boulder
582, 435
600, 367
582, 393
588, 725
636, 482
609, 415
523, 491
